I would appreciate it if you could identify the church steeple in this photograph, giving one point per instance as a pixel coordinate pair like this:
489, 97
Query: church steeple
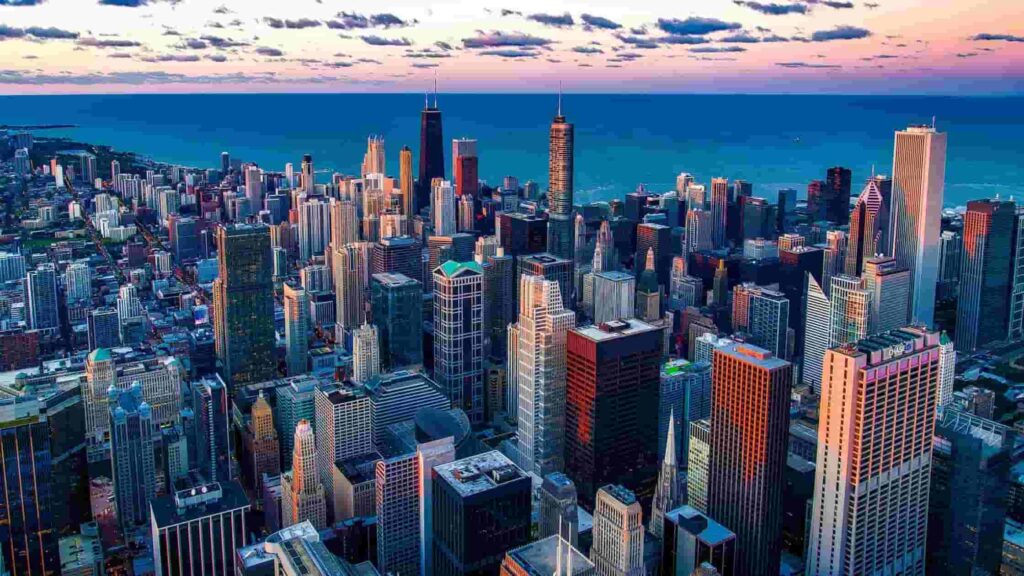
667, 495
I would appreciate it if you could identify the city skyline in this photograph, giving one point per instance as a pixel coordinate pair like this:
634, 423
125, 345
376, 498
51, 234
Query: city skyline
798, 46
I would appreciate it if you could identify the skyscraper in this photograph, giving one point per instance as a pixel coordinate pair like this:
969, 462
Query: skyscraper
817, 331
212, 429
399, 255
397, 303
684, 396
481, 509
560, 185
614, 296
749, 428
314, 226
198, 530
612, 379
618, 533
103, 328
769, 321
836, 195
308, 176
919, 171
365, 353
971, 462
888, 288
443, 208
406, 182
344, 223
668, 494
349, 264
459, 335
868, 220
558, 510
550, 555
699, 464
869, 385
343, 430
302, 495
540, 373
397, 485
263, 447
132, 457
296, 329
550, 267
374, 161
719, 209
986, 274
41, 293
691, 540
851, 304
431, 151
243, 302
465, 167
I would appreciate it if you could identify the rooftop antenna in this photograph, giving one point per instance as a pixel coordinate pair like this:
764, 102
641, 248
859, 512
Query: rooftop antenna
559, 97
568, 560
872, 171
933, 122
558, 553
435, 88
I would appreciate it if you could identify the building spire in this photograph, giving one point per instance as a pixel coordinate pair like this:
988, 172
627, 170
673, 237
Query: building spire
435, 89
670, 442
559, 98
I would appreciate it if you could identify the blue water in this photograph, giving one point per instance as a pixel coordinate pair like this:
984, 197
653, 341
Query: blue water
621, 140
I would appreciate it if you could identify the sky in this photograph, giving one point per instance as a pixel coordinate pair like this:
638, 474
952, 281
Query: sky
953, 47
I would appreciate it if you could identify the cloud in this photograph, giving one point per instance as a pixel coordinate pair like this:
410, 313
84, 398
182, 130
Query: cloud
987, 37
966, 54
741, 38
626, 57
424, 65
21, 2
426, 53
638, 41
508, 12
119, 55
496, 39
267, 51
353, 20
138, 78
682, 39
108, 43
695, 25
220, 42
774, 38
381, 41
510, 53
840, 33
871, 5
172, 58
222, 10
193, 44
292, 24
806, 65
716, 49
50, 33
837, 4
773, 9
132, 3
216, 57
599, 22
587, 50
556, 20
443, 45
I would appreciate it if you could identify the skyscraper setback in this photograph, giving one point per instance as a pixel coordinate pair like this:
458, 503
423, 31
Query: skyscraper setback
918, 181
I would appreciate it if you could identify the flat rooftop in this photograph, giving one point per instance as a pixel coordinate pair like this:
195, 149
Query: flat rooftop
540, 558
615, 329
479, 473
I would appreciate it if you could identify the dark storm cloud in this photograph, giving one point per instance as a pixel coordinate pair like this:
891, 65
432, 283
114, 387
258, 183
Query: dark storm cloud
497, 39
773, 9
381, 41
599, 22
695, 25
988, 37
840, 33
556, 20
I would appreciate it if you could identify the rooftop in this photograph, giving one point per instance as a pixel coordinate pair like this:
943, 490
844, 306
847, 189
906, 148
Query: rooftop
615, 329
479, 473
540, 558
452, 268
393, 279
620, 493
706, 530
680, 366
192, 504
752, 355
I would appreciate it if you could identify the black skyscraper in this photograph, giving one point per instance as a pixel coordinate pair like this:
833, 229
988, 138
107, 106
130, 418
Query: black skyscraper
837, 195
431, 152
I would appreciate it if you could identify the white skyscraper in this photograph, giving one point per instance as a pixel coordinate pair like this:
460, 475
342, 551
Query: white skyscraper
77, 282
343, 430
947, 369
888, 288
302, 495
348, 262
365, 353
870, 507
540, 366
918, 181
832, 320
314, 226
443, 208
344, 223
254, 188
374, 159
614, 296
699, 234
618, 531
296, 329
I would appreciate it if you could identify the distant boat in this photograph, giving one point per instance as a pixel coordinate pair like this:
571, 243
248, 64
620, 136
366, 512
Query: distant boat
797, 139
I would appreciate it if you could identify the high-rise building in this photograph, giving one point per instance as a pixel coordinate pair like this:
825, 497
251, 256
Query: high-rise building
1016, 320
612, 384
314, 226
77, 282
618, 533
365, 353
971, 462
719, 209
834, 257
835, 196
690, 540
132, 456
521, 233
769, 321
465, 167
350, 264
431, 152
868, 223
398, 255
669, 493
550, 267
986, 274
549, 555
397, 303
869, 385
406, 182
698, 464
699, 231
398, 504
428, 456
263, 447
343, 430
481, 509
374, 161
443, 208
398, 397
459, 335
243, 302
308, 175
344, 223
614, 296
212, 429
302, 494
295, 401
888, 288
41, 296
296, 329
684, 396
559, 514
749, 429
198, 530
539, 374
850, 309
817, 331
947, 370
103, 328
29, 494
560, 185
919, 171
